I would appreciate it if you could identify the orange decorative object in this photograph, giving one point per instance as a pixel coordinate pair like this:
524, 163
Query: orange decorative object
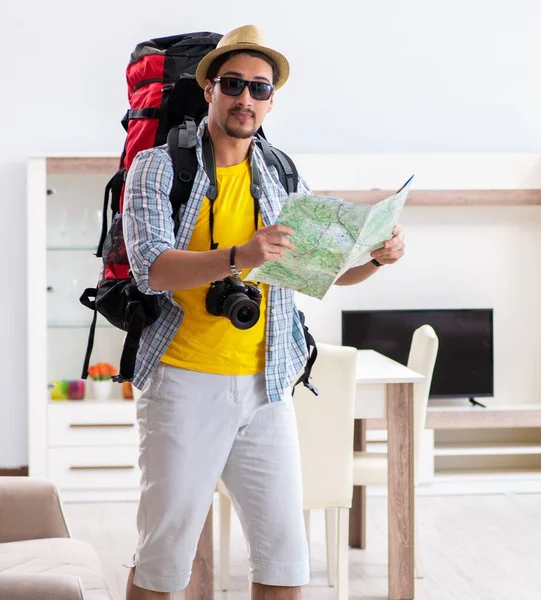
127, 390
101, 371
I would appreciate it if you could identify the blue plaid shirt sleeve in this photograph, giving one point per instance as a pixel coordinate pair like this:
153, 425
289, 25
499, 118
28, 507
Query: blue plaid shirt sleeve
146, 220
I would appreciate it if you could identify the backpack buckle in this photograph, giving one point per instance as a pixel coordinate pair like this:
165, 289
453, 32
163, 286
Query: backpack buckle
311, 387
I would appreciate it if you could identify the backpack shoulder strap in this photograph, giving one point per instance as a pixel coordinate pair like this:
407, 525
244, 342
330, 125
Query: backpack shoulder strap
181, 142
287, 171
312, 355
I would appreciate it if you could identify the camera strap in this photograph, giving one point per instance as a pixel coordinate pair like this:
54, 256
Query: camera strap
209, 163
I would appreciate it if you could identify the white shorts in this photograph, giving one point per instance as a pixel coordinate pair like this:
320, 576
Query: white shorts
195, 428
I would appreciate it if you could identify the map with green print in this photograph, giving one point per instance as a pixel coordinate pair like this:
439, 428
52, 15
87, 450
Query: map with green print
331, 235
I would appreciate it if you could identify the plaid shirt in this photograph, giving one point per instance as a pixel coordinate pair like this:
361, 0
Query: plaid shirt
149, 231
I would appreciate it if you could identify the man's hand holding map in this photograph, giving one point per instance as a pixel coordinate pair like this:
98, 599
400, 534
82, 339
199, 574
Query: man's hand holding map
331, 235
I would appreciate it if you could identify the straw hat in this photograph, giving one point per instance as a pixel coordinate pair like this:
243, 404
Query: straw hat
248, 37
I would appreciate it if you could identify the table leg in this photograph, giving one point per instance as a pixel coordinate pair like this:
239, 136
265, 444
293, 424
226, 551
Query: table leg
401, 490
201, 586
357, 515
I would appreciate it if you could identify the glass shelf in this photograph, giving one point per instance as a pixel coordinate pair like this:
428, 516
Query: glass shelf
77, 325
90, 401
53, 248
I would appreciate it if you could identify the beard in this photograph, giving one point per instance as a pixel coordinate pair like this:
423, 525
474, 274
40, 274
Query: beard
238, 132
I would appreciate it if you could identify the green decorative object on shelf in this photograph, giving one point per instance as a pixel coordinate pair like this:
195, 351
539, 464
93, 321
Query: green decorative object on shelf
59, 390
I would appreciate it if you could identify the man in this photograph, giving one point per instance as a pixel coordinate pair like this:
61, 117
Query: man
216, 400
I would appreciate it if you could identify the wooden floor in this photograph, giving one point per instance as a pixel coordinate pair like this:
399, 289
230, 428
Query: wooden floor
474, 548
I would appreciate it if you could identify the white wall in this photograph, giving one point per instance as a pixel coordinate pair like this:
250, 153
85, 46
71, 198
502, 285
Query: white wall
397, 76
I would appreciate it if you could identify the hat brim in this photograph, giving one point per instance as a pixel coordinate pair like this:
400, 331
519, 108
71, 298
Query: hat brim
279, 59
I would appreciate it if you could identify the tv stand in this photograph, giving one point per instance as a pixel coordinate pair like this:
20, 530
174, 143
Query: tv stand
476, 403
468, 450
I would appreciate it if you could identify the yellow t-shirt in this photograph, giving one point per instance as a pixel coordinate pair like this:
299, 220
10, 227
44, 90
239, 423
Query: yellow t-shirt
205, 342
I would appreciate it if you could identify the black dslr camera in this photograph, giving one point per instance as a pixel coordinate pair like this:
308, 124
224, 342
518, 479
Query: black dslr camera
230, 298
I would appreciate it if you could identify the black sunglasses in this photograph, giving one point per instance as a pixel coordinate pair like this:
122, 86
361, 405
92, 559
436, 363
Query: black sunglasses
233, 86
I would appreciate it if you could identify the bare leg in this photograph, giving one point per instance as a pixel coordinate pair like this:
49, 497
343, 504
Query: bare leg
272, 592
134, 592
201, 586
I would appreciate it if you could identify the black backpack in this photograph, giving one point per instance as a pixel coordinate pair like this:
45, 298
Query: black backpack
167, 104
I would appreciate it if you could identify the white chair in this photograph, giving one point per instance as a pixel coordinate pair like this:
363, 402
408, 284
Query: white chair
325, 426
370, 468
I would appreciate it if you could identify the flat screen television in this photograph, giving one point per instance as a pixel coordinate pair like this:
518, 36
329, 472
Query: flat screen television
465, 363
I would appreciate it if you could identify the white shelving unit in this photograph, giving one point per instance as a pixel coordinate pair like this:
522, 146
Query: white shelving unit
89, 447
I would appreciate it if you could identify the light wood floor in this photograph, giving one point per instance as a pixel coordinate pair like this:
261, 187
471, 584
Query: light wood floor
474, 548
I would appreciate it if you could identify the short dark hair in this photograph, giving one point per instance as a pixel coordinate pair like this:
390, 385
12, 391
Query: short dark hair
218, 63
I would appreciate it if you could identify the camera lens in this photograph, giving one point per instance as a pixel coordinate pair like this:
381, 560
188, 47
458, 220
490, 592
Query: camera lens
245, 314
241, 311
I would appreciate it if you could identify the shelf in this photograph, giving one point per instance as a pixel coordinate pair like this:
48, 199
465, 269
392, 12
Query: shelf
466, 417
71, 248
444, 197
85, 325
487, 449
91, 165
86, 401
526, 415
487, 474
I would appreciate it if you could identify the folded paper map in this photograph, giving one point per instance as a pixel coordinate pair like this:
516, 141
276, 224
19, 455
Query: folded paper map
331, 235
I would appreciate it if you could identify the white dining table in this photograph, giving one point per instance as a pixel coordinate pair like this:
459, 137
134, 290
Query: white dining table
385, 390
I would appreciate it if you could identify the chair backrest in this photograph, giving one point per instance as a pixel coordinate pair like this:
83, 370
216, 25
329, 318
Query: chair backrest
325, 425
422, 358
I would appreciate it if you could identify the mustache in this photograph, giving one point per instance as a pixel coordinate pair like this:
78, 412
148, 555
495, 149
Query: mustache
235, 111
